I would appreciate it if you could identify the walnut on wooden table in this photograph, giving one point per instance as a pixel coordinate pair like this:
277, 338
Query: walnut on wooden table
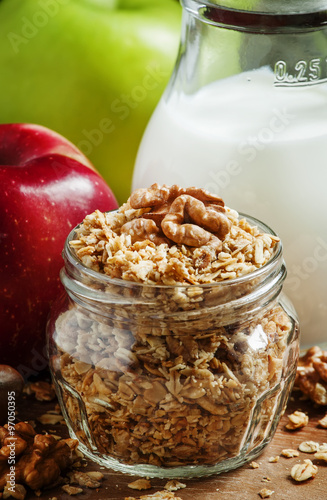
311, 376
39, 459
297, 420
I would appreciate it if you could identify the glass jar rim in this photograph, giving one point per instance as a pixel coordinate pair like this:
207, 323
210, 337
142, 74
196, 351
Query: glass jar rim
243, 296
271, 16
265, 270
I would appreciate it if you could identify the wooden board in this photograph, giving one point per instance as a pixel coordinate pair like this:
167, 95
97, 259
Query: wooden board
244, 483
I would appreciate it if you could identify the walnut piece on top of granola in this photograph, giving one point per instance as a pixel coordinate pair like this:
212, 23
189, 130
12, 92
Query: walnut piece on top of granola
311, 376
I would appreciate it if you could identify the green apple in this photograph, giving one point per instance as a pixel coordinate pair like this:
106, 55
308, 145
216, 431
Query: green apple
92, 70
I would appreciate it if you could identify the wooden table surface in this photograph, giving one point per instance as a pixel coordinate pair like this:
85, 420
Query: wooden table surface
244, 483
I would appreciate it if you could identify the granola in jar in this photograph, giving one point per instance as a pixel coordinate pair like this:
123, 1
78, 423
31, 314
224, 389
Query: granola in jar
173, 352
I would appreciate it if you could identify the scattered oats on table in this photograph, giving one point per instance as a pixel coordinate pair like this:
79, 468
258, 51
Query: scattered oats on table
265, 493
297, 420
254, 465
159, 495
321, 455
140, 484
309, 446
304, 471
289, 453
50, 419
72, 490
323, 422
174, 485
90, 479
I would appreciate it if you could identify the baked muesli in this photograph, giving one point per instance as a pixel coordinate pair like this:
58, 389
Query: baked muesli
131, 243
173, 365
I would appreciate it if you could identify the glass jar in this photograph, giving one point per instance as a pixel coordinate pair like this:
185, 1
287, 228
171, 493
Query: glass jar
245, 116
173, 381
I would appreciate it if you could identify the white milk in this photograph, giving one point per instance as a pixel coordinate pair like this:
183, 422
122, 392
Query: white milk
264, 150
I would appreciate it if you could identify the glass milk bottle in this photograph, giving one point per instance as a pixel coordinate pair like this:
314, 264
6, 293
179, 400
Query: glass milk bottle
245, 116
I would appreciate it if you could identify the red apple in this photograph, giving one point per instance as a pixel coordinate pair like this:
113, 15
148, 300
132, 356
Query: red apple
47, 187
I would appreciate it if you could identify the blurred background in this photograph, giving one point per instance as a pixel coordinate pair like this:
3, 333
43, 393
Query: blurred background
92, 70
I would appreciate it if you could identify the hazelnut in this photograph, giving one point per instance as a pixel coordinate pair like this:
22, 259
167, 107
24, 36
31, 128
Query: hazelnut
10, 381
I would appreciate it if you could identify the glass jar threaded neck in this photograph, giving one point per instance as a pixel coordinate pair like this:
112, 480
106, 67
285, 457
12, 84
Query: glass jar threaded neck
260, 16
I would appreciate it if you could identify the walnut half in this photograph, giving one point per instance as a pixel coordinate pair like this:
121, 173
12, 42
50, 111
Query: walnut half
39, 459
311, 376
186, 216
